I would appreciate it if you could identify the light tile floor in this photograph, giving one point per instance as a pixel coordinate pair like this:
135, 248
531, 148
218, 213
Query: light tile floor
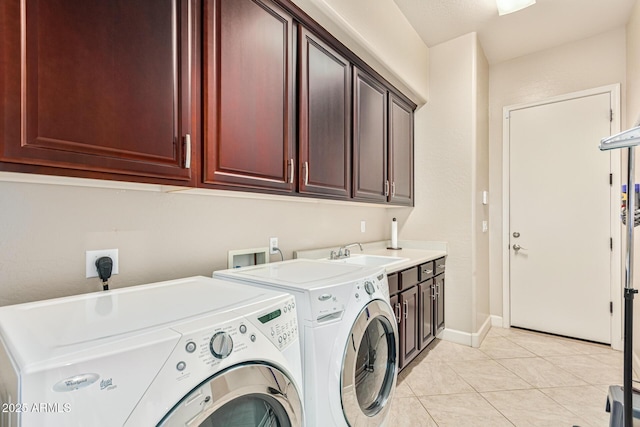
515, 378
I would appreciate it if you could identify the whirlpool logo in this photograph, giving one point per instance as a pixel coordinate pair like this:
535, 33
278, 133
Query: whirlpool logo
106, 384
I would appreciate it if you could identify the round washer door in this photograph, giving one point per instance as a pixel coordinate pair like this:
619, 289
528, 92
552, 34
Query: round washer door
369, 367
242, 396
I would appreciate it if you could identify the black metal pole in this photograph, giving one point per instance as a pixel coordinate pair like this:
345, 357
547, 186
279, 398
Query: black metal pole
627, 387
628, 356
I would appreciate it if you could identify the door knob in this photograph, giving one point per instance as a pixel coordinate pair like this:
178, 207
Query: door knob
517, 247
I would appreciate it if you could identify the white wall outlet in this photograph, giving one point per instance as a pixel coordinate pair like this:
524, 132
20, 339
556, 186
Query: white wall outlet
92, 257
485, 226
273, 243
363, 226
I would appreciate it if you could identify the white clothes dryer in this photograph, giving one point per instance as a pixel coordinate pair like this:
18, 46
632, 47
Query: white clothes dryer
196, 351
348, 335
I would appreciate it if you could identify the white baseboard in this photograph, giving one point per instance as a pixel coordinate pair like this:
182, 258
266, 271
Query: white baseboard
496, 321
478, 337
455, 336
466, 338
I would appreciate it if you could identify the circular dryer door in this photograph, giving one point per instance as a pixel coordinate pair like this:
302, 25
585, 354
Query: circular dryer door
369, 367
242, 396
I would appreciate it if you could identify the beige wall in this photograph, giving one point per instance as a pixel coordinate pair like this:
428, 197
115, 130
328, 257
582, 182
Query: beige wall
481, 212
589, 63
45, 229
451, 166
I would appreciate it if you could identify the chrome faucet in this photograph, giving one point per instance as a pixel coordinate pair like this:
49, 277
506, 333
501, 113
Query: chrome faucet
347, 253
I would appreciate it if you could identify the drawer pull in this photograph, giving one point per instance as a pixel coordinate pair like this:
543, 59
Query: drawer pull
440, 265
427, 271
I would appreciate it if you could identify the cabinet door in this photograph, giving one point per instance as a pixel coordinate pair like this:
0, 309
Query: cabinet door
99, 88
409, 335
425, 317
324, 120
248, 95
400, 151
439, 314
370, 138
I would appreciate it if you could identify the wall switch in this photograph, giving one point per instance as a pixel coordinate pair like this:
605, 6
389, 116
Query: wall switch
92, 256
485, 226
363, 226
273, 243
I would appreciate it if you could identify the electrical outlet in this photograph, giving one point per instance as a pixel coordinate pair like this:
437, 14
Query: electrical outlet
485, 226
273, 243
92, 257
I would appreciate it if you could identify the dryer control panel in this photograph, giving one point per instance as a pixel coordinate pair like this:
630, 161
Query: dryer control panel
329, 303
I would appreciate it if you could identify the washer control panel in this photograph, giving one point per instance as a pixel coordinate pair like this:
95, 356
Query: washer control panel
280, 324
208, 342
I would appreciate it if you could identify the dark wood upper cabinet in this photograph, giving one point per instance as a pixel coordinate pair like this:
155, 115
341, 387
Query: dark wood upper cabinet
324, 124
400, 151
100, 88
369, 138
248, 87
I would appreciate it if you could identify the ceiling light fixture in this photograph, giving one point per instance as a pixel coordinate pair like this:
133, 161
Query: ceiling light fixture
510, 6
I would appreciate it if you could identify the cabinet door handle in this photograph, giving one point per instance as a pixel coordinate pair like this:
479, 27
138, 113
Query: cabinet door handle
292, 171
386, 188
306, 173
393, 189
187, 151
438, 289
397, 313
406, 309
433, 292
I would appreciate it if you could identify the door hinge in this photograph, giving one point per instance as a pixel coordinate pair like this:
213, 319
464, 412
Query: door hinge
610, 179
610, 115
611, 243
611, 307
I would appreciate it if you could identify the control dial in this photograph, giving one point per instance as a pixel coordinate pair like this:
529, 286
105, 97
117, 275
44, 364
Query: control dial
221, 345
368, 286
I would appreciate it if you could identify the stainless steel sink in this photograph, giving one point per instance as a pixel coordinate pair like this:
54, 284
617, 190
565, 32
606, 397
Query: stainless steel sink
371, 260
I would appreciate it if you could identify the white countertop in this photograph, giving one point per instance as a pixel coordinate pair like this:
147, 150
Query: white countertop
416, 251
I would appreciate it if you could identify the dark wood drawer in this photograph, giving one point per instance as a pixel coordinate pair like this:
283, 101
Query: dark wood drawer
408, 278
427, 271
393, 283
439, 264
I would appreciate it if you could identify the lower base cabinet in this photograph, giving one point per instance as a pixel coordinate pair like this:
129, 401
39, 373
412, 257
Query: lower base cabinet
417, 298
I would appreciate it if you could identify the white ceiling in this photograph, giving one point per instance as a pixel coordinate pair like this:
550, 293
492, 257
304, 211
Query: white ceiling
546, 24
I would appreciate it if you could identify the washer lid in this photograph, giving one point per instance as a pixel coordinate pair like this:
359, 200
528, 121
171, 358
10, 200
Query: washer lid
302, 273
53, 329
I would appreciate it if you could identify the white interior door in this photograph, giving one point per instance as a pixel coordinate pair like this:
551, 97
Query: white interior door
560, 218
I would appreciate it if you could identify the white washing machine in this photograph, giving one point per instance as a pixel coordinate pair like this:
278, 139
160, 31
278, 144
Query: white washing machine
196, 351
348, 335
